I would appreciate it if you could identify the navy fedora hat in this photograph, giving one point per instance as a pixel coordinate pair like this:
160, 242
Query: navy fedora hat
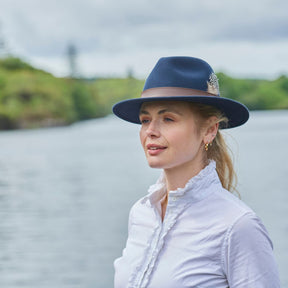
183, 79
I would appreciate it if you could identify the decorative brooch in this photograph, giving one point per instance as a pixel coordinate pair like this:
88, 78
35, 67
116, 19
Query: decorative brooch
213, 86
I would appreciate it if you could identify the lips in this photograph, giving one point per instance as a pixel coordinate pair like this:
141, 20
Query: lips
154, 149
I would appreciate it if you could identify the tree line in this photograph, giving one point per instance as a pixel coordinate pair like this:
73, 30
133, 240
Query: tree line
32, 98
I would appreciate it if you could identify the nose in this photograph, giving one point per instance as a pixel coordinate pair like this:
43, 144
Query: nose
153, 130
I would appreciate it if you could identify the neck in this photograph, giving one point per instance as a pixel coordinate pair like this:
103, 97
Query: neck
178, 177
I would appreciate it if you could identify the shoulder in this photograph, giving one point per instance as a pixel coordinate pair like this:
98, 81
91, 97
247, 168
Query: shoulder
229, 199
227, 207
232, 217
247, 254
247, 230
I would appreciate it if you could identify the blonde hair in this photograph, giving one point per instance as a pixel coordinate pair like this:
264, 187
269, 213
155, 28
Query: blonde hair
218, 151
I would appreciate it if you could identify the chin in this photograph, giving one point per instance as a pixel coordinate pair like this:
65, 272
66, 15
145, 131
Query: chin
155, 165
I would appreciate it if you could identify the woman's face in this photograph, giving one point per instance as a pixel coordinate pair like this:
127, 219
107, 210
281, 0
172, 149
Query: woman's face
170, 136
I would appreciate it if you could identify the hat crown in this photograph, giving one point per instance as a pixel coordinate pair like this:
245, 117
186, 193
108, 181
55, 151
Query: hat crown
185, 79
185, 72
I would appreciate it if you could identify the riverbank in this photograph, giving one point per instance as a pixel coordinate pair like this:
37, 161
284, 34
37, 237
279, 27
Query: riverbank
33, 98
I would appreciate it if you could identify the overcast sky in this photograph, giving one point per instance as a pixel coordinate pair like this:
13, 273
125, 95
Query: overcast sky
243, 38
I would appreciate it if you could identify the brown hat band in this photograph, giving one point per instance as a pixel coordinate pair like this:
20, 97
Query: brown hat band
174, 91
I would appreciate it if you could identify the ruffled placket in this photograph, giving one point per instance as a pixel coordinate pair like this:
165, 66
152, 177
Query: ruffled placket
178, 201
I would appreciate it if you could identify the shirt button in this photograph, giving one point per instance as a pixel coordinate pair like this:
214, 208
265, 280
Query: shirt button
174, 198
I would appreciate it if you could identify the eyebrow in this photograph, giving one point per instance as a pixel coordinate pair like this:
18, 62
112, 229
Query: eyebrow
162, 111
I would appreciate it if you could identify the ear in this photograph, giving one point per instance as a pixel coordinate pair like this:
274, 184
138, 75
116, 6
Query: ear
211, 130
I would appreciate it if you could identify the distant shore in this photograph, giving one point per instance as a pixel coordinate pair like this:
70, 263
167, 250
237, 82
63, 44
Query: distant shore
33, 98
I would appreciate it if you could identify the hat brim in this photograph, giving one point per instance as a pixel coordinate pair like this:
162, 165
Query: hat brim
236, 112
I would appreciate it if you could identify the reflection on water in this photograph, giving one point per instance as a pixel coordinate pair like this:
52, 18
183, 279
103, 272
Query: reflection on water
65, 195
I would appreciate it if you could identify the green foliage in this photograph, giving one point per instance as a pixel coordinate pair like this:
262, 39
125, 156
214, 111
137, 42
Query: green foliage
84, 99
256, 94
33, 98
113, 90
12, 63
29, 98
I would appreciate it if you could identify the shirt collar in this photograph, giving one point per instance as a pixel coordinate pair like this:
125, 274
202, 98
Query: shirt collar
195, 189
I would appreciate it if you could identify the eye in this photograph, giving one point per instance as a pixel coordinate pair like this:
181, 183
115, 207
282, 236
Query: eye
144, 121
168, 119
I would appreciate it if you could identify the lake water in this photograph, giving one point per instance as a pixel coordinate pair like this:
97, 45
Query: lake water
65, 195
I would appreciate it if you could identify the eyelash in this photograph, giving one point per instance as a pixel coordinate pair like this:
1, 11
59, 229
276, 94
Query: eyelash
166, 119
144, 121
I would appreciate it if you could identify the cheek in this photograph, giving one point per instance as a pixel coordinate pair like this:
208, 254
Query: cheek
188, 140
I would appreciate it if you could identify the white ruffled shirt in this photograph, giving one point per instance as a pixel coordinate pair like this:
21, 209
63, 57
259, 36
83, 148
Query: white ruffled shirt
208, 239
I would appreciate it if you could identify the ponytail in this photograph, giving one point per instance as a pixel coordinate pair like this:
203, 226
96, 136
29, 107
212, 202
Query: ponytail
218, 151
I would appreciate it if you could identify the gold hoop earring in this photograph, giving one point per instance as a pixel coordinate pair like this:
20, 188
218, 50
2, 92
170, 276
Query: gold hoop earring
206, 146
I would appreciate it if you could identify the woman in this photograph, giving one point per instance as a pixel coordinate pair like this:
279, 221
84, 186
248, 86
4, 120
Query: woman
189, 231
